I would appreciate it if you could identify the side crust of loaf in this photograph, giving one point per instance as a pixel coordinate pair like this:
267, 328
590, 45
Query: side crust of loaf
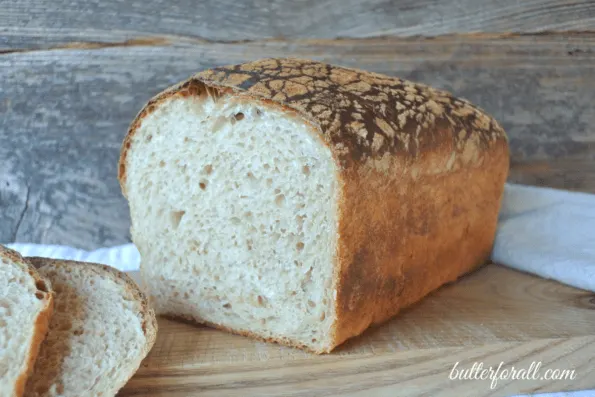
42, 322
422, 175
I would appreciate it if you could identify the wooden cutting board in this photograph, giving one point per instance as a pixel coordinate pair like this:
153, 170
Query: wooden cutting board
495, 315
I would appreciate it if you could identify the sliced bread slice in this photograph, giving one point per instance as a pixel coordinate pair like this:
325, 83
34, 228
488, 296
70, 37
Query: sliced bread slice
101, 330
26, 303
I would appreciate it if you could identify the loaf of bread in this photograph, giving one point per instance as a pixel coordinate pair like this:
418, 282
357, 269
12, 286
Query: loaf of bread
300, 202
26, 305
101, 329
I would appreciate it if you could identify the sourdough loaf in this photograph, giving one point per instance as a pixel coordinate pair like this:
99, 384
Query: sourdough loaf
101, 329
26, 304
301, 202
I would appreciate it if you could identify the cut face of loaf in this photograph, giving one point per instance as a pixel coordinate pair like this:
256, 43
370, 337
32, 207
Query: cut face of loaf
101, 329
26, 304
301, 202
235, 219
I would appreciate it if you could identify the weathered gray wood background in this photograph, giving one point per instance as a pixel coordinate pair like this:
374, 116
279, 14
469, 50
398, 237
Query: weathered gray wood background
74, 74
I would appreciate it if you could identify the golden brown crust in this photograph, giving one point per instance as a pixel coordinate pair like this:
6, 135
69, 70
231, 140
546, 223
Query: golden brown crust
42, 321
42, 325
403, 237
361, 114
421, 176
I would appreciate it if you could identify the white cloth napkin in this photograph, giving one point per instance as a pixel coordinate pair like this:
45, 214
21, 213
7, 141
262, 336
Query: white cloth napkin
547, 232
123, 257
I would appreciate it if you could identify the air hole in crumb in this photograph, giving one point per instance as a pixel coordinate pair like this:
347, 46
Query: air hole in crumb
306, 170
269, 182
186, 139
203, 185
248, 214
258, 112
322, 316
208, 169
162, 163
263, 321
79, 331
313, 339
299, 246
251, 176
235, 220
311, 303
279, 200
239, 116
293, 293
260, 300
227, 306
40, 295
176, 218
266, 166
149, 137
40, 285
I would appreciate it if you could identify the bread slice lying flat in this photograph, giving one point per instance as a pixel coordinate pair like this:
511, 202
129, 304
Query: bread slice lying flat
301, 202
101, 329
26, 304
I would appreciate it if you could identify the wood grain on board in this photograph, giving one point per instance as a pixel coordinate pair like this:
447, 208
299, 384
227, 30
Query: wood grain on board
42, 23
64, 112
491, 316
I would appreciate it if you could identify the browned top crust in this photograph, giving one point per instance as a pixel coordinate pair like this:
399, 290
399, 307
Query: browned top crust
361, 115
